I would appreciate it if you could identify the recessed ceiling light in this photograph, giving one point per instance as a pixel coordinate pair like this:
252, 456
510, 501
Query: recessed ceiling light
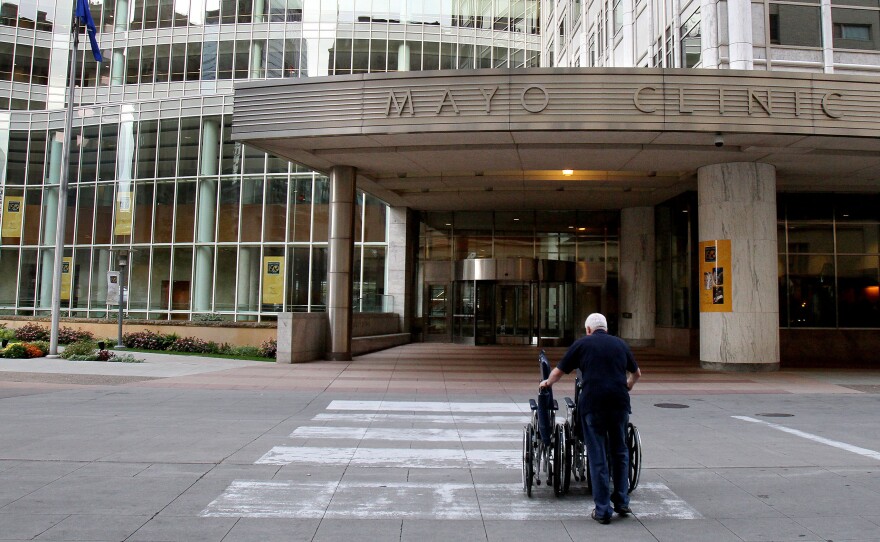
517, 220
568, 172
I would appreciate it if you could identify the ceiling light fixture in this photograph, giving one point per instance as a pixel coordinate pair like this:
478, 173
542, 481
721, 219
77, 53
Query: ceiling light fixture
568, 172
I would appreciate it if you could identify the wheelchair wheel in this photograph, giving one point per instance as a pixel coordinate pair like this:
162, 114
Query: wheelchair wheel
567, 455
560, 449
528, 468
634, 444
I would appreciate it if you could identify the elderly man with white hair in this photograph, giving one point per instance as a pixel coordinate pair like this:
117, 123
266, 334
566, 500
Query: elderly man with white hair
609, 371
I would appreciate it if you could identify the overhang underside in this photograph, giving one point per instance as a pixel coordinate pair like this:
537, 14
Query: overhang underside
610, 169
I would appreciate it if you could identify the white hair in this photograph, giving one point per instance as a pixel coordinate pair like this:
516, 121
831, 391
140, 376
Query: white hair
596, 321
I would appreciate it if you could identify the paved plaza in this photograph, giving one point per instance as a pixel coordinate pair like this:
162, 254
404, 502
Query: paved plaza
416, 443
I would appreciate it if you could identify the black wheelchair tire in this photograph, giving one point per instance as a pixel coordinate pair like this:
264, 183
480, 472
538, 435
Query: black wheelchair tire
634, 444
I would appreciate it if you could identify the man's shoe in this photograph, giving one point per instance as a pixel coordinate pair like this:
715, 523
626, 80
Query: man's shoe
600, 519
623, 511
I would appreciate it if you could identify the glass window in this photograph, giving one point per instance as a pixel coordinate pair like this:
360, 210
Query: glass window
7, 51
27, 280
242, 53
858, 282
36, 157
41, 66
163, 59
104, 206
224, 285
251, 210
185, 215
160, 279
193, 61
32, 210
146, 155
224, 59
811, 300
178, 62
374, 220
228, 215
298, 279
189, 147
858, 238
318, 297
181, 290
855, 29
276, 209
300, 207
164, 212
167, 154
16, 160
795, 25
806, 238
85, 216
138, 279
24, 55
88, 144
143, 212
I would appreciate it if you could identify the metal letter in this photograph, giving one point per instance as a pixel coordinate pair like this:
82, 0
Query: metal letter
681, 107
826, 109
488, 96
638, 104
447, 94
542, 107
767, 105
399, 106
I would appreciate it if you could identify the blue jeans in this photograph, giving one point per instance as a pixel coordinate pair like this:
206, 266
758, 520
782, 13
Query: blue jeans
603, 429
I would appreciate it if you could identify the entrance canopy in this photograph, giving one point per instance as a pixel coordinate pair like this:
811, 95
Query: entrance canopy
546, 138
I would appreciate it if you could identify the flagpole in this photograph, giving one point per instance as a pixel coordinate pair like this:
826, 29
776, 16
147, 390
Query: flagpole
61, 226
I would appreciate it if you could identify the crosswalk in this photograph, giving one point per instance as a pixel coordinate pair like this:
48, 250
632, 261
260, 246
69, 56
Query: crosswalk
420, 436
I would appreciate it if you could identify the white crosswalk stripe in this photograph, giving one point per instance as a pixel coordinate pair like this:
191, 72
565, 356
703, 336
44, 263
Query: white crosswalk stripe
363, 500
427, 406
438, 419
406, 434
424, 458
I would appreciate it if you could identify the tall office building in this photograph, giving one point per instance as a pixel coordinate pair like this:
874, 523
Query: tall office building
154, 166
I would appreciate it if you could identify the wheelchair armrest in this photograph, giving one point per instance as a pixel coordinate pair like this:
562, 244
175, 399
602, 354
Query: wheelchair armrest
555, 405
533, 405
569, 403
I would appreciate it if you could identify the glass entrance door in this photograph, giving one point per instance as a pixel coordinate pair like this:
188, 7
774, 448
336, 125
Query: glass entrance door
513, 314
473, 319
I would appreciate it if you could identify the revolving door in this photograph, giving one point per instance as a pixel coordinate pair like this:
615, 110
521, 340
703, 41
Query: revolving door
513, 301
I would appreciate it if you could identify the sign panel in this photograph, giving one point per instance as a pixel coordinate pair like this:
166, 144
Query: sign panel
113, 287
13, 207
273, 280
124, 209
66, 277
716, 294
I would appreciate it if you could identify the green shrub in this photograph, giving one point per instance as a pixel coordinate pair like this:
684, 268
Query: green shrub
32, 332
79, 348
125, 358
14, 351
6, 334
67, 335
269, 349
246, 351
42, 345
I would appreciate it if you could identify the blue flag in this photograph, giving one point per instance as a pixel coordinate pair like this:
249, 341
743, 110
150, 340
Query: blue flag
84, 15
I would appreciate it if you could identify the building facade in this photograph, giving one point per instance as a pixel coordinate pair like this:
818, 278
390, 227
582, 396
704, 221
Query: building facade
587, 194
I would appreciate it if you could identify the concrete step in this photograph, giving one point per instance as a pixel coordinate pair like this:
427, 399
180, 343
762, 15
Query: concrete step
373, 343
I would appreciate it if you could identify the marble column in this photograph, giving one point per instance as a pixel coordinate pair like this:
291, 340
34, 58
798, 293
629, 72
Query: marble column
50, 221
739, 32
737, 201
341, 252
206, 219
637, 276
402, 238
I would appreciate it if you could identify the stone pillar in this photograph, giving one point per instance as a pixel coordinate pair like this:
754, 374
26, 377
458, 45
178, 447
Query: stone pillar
637, 276
341, 252
206, 219
402, 238
737, 201
739, 34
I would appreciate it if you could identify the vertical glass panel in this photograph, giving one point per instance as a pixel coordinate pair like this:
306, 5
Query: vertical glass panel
89, 144
858, 238
224, 60
100, 263
139, 279
133, 68
294, 63
810, 238
71, 213
242, 64
104, 204
321, 210
160, 279
185, 211
851, 28
300, 207
275, 164
79, 279
210, 51
36, 157
16, 160
9, 267
164, 212
227, 228
151, 14
251, 210
137, 17
107, 167
231, 159
32, 210
189, 147
163, 63
811, 291
148, 64
178, 62
193, 61
181, 283
373, 280
85, 217
6, 55
319, 279
23, 56
276, 210
858, 282
146, 155
143, 213
27, 283
167, 148
298, 279
41, 66
374, 220
224, 285
254, 161
166, 13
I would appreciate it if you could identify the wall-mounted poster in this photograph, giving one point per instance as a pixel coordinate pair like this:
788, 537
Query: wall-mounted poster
11, 216
124, 203
273, 280
66, 277
716, 293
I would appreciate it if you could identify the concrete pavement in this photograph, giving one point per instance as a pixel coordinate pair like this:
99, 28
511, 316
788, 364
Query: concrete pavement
419, 442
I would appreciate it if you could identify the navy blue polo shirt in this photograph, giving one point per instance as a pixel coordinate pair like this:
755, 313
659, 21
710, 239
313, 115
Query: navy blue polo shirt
603, 360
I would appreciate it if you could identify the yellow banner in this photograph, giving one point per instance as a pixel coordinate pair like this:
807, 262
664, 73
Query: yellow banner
124, 209
12, 211
66, 277
716, 293
273, 280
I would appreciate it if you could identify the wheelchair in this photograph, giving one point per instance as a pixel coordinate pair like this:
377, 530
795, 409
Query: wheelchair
578, 460
545, 443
